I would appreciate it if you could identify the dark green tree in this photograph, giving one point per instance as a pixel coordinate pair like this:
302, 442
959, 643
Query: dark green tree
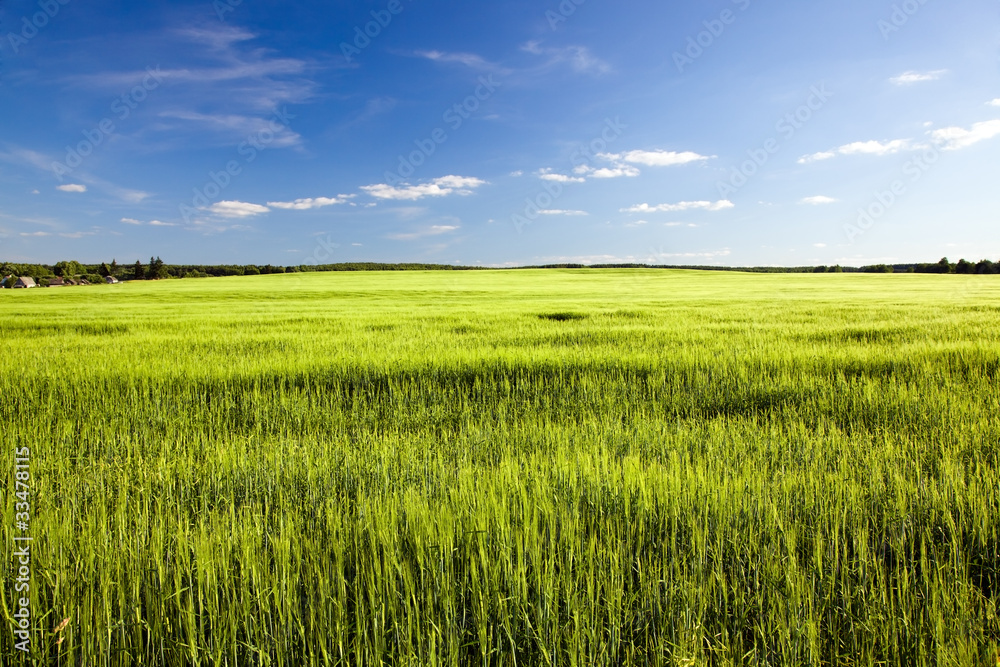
965, 267
68, 269
138, 272
157, 269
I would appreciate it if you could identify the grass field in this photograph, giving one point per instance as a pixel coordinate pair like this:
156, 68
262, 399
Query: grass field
500, 468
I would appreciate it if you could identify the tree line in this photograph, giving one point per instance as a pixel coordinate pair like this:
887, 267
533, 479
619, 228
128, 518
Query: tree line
157, 269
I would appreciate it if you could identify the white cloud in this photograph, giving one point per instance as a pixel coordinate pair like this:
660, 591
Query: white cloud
557, 211
615, 172
819, 245
955, 138
861, 148
439, 187
308, 204
817, 200
816, 157
908, 78
434, 230
682, 206
517, 174
72, 187
131, 221
655, 158
874, 147
35, 234
995, 103
237, 209
547, 175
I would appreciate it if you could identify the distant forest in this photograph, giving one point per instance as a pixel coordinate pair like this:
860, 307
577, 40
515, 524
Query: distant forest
156, 269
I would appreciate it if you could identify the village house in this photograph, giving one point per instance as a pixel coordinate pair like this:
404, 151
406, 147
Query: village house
111, 280
25, 283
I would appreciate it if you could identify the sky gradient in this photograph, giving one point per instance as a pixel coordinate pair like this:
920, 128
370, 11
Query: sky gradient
732, 132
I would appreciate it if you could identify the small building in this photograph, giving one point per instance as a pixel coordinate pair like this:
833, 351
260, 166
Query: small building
25, 282
57, 282
111, 280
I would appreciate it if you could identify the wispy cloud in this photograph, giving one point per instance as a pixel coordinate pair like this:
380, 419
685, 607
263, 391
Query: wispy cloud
93, 231
656, 158
439, 187
41, 162
579, 58
39, 234
911, 77
558, 211
955, 138
24, 156
860, 148
995, 103
682, 206
818, 200
435, 230
308, 204
471, 60
234, 73
237, 125
715, 254
151, 223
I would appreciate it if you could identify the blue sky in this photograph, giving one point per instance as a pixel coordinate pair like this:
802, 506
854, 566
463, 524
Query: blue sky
731, 132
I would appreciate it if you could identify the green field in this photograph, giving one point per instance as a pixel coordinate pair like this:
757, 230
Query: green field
497, 468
